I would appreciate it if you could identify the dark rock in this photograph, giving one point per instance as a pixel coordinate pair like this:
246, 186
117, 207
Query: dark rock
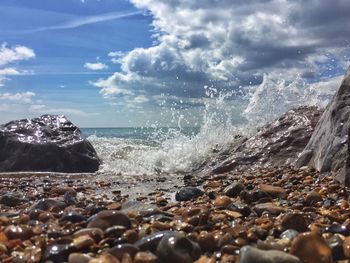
337, 229
234, 189
276, 144
187, 193
240, 208
58, 253
294, 221
336, 244
328, 148
73, 217
11, 199
49, 143
151, 242
108, 218
253, 255
18, 232
177, 248
140, 208
47, 204
289, 234
269, 208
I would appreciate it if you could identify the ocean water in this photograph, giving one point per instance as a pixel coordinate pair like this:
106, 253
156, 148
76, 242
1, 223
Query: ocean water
153, 151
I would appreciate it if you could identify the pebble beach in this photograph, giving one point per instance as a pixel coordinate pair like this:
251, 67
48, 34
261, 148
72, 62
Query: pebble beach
248, 215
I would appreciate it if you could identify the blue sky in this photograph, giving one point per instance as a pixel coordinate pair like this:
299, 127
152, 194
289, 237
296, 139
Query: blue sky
122, 63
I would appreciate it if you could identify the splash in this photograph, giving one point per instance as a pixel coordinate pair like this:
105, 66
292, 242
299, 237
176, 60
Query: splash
182, 150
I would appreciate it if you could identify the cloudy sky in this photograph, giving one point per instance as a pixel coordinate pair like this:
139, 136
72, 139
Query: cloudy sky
109, 63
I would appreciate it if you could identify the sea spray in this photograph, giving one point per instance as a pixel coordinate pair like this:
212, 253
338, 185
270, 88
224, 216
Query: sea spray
161, 150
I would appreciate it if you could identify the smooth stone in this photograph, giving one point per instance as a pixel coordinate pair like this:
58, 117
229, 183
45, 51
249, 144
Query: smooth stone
81, 242
337, 229
119, 250
249, 254
254, 196
115, 231
47, 204
269, 208
106, 258
336, 244
73, 217
11, 199
177, 248
222, 201
79, 258
108, 218
140, 208
95, 233
234, 189
18, 232
311, 248
151, 242
207, 242
240, 208
294, 221
274, 191
145, 257
70, 197
188, 193
313, 197
289, 234
131, 236
346, 247
58, 253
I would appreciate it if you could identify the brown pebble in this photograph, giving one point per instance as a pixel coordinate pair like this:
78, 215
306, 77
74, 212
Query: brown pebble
108, 218
206, 241
145, 257
311, 248
313, 197
205, 259
105, 258
346, 247
131, 236
294, 221
222, 201
18, 232
273, 191
81, 242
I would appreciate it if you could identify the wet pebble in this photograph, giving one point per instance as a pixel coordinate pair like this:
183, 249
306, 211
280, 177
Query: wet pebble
11, 199
187, 193
249, 254
73, 217
294, 221
269, 208
79, 258
313, 197
18, 232
119, 250
47, 204
273, 191
234, 189
222, 201
336, 245
108, 218
289, 234
337, 229
58, 253
311, 248
145, 257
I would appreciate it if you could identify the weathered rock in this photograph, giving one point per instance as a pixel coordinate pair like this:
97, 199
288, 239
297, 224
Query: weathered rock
187, 193
47, 204
273, 191
11, 199
234, 189
140, 208
294, 221
58, 253
276, 144
269, 208
253, 255
328, 148
151, 242
49, 143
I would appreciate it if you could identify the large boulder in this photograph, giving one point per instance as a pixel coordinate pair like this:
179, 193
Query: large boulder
50, 143
276, 144
327, 150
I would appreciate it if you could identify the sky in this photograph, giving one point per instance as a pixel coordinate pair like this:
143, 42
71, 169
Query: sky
121, 63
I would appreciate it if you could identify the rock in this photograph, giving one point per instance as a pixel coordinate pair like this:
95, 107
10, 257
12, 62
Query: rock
105, 258
336, 245
47, 204
253, 255
108, 218
95, 233
79, 258
346, 247
119, 250
81, 242
151, 242
276, 144
337, 229
11, 199
18, 232
145, 257
328, 148
140, 208
234, 189
289, 234
187, 193
73, 217
294, 221
222, 201
312, 198
269, 208
50, 143
312, 248
273, 191
58, 253
177, 248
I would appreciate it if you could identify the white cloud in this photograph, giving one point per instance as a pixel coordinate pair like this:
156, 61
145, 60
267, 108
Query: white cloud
20, 97
95, 66
9, 55
230, 43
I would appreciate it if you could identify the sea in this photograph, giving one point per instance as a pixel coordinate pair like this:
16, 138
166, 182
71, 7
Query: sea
224, 117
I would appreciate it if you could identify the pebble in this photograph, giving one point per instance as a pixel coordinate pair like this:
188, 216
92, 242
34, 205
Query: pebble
58, 253
289, 234
81, 242
73, 217
47, 204
11, 199
151, 242
269, 208
336, 245
79, 258
177, 248
95, 233
18, 232
313, 197
346, 247
249, 254
273, 191
311, 248
222, 201
145, 257
119, 250
108, 218
105, 258
294, 221
234, 189
187, 193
